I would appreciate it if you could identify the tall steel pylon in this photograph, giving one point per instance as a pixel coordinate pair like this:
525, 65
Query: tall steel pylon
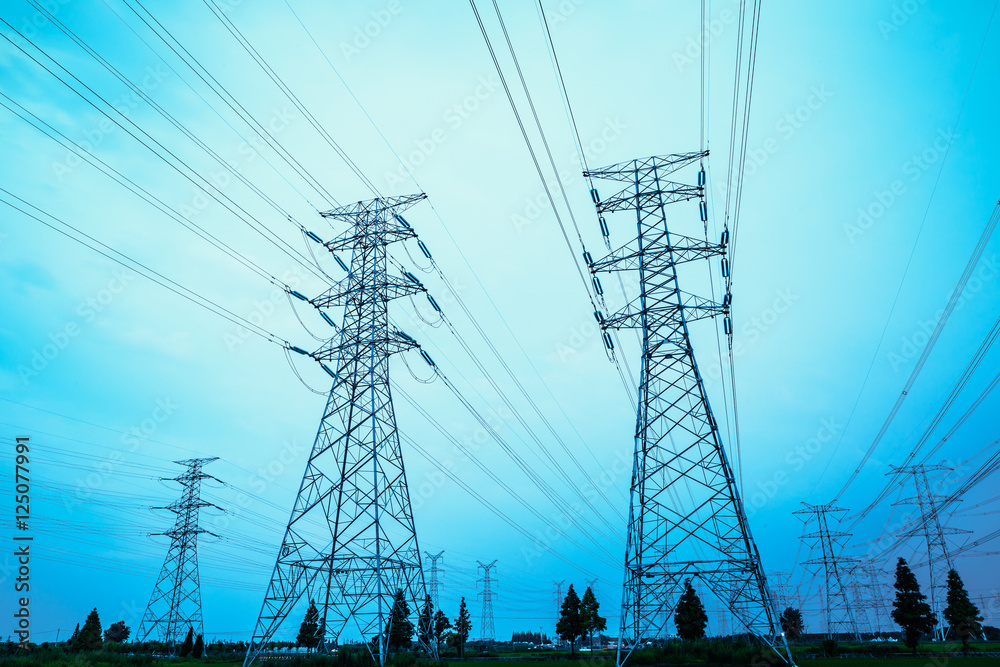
175, 604
869, 596
488, 630
686, 517
839, 613
351, 543
939, 560
434, 586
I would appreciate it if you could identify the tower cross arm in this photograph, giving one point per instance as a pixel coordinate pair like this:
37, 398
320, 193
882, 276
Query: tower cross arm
674, 248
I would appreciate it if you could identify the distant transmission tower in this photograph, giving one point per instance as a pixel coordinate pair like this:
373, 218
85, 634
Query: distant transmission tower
839, 613
489, 632
351, 544
939, 560
434, 585
592, 585
869, 596
175, 604
686, 518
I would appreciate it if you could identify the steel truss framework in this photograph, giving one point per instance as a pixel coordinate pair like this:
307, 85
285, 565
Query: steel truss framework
434, 587
939, 560
487, 594
839, 613
686, 518
351, 544
175, 605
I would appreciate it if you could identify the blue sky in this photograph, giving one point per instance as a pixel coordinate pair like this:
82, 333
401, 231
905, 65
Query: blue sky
870, 159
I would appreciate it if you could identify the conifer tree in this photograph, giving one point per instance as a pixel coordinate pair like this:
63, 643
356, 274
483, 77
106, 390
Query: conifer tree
400, 628
962, 615
463, 626
570, 625
690, 617
910, 610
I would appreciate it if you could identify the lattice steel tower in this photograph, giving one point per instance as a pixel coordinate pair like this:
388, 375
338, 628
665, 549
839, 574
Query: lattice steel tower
350, 543
175, 604
489, 633
839, 613
939, 560
435, 584
686, 518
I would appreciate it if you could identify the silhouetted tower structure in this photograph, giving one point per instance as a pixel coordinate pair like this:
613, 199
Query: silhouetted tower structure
350, 543
592, 585
869, 598
175, 604
557, 585
839, 614
939, 560
434, 585
487, 594
686, 517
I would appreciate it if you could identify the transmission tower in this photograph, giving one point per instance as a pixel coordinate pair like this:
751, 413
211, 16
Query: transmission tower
939, 560
175, 604
350, 543
678, 448
489, 633
592, 585
838, 607
869, 596
434, 585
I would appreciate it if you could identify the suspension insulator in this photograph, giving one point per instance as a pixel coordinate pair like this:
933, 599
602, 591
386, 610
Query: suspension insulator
404, 336
724, 239
593, 195
341, 262
587, 258
434, 303
703, 210
727, 326
298, 295
402, 221
328, 371
412, 278
725, 267
327, 318
727, 300
423, 249
597, 286
608, 342
604, 227
599, 316
314, 237
298, 349
427, 357
701, 178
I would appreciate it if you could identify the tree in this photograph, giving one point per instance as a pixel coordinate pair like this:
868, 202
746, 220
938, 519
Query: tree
592, 621
910, 610
441, 626
89, 636
117, 632
400, 627
792, 624
309, 630
425, 625
188, 644
570, 625
961, 614
463, 625
690, 617
199, 647
72, 638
